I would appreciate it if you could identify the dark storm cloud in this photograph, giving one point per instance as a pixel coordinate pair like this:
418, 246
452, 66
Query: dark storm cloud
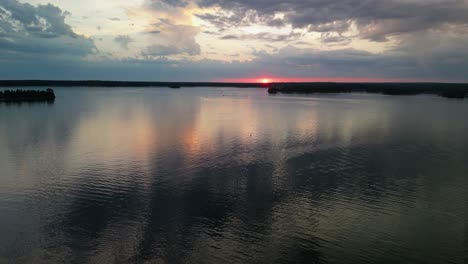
39, 29
375, 19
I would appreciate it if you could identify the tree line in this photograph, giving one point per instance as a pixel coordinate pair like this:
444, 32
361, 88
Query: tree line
27, 95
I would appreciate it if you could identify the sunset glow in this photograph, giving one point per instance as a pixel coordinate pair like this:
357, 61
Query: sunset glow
242, 41
240, 131
323, 79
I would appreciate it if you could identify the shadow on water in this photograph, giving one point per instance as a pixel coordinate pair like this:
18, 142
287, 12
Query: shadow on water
19, 103
178, 220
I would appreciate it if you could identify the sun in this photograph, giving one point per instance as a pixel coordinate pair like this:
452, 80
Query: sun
265, 80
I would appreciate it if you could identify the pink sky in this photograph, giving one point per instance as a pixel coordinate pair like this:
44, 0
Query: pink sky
273, 79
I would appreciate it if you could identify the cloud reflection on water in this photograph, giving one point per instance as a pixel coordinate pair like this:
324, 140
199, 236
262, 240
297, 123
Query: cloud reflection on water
212, 175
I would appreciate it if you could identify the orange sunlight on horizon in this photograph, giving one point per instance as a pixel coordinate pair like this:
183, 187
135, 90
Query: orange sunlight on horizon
267, 80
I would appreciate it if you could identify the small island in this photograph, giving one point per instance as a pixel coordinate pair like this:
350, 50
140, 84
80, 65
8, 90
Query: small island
27, 95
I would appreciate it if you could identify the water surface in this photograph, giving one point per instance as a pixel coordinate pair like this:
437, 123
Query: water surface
233, 176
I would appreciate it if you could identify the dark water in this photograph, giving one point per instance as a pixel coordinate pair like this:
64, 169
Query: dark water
233, 176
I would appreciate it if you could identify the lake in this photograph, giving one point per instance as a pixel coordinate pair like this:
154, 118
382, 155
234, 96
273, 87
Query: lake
230, 175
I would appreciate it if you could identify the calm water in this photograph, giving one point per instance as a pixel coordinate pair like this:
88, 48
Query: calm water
233, 176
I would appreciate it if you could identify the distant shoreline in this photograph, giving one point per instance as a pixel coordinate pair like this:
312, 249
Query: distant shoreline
95, 83
101, 83
448, 90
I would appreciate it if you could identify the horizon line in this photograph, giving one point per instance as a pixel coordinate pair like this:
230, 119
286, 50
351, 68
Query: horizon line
258, 82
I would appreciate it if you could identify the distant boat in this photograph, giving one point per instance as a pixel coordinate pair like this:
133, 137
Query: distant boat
174, 86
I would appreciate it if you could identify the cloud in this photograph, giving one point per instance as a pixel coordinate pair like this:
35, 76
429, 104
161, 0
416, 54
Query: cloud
210, 32
375, 19
39, 29
224, 19
264, 36
163, 50
446, 61
45, 21
172, 40
334, 26
164, 4
231, 36
333, 38
429, 41
153, 32
123, 40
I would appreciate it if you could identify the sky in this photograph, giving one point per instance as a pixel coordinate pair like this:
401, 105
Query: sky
235, 40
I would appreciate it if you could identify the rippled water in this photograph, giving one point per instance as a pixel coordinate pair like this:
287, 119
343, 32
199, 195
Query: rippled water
233, 176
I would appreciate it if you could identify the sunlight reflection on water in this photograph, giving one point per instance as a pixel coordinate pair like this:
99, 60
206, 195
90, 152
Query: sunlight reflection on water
233, 175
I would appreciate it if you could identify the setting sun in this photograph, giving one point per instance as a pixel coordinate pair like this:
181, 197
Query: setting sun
266, 80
